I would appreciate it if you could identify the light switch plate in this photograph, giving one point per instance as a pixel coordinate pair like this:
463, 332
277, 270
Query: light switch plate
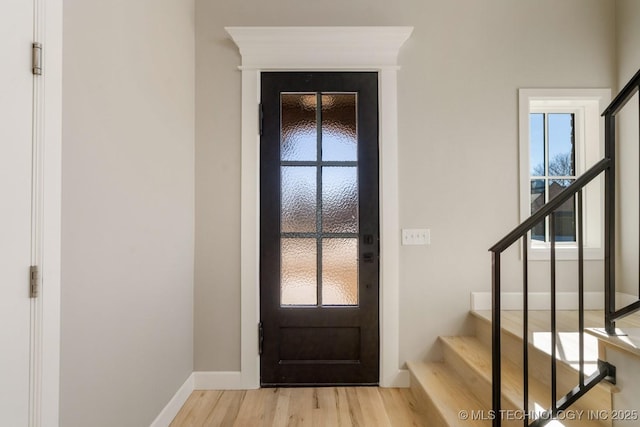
416, 236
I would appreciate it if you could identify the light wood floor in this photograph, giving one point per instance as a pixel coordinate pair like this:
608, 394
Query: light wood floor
322, 407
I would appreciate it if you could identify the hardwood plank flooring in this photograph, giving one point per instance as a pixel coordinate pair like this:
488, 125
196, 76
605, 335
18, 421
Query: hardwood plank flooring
316, 407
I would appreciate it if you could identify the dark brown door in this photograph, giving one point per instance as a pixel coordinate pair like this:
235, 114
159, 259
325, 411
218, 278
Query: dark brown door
319, 229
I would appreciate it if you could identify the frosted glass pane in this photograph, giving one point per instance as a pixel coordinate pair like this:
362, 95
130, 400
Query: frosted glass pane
299, 132
340, 199
561, 145
298, 199
339, 129
340, 271
298, 272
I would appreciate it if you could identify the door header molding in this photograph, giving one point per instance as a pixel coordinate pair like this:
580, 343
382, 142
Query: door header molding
342, 48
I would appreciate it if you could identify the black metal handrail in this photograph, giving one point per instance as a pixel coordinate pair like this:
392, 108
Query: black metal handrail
623, 97
605, 370
551, 206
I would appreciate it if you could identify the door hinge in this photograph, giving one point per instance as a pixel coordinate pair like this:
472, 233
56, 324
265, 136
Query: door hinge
36, 61
260, 117
34, 281
260, 337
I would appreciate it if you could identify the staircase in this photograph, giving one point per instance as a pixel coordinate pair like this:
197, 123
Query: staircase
532, 368
457, 391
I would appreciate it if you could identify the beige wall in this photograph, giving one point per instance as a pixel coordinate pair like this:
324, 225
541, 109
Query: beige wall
628, 179
459, 143
461, 70
127, 209
627, 39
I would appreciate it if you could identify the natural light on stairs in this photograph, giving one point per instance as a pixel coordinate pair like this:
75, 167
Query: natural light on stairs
460, 385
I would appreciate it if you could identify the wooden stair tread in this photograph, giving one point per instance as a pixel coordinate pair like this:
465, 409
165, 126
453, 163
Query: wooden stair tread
448, 392
512, 326
628, 340
566, 320
478, 357
462, 382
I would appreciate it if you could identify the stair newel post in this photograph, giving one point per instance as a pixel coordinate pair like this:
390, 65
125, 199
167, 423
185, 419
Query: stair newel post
609, 224
495, 338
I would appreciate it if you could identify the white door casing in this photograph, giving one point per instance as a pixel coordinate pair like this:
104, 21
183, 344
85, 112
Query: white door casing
16, 105
30, 166
316, 49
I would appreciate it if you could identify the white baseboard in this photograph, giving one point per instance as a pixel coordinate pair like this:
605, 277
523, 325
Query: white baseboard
173, 407
401, 379
542, 300
210, 380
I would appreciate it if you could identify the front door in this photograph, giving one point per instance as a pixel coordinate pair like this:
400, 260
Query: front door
16, 106
319, 229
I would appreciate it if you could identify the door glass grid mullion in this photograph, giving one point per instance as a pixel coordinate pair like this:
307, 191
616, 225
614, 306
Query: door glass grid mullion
322, 236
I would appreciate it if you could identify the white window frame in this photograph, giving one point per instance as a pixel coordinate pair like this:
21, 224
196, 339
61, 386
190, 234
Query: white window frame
586, 105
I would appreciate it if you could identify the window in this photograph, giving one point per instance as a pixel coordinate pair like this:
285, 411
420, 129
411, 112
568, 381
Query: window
561, 136
552, 146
